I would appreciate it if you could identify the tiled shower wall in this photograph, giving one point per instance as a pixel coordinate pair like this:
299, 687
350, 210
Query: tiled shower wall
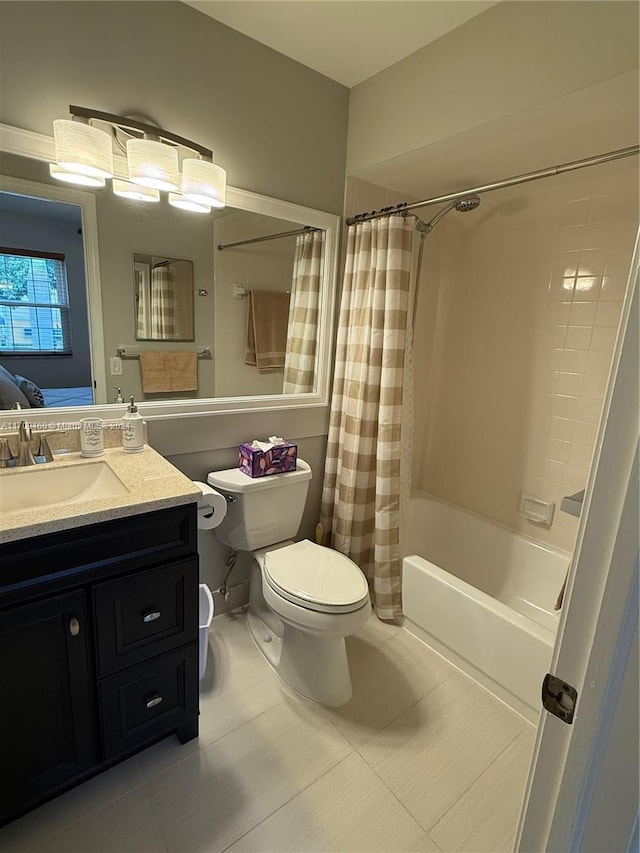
518, 313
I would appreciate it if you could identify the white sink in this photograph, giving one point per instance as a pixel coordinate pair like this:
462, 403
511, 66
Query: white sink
40, 486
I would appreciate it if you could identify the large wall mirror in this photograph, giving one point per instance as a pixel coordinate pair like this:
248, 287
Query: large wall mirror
246, 293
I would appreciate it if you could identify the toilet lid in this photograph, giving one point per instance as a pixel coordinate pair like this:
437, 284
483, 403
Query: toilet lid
316, 577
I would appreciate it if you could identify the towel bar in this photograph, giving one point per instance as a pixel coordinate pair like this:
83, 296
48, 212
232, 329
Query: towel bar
122, 352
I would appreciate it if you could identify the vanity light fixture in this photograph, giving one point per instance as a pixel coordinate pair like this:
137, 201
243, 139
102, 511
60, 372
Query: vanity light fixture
125, 189
204, 182
84, 151
184, 203
153, 164
74, 177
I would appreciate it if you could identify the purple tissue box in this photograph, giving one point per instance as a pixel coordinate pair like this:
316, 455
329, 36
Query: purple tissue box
257, 463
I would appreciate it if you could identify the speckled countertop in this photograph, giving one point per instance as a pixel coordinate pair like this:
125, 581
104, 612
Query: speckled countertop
151, 481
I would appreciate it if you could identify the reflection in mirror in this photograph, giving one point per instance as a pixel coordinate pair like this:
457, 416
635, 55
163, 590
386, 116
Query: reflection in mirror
228, 321
267, 304
44, 332
163, 298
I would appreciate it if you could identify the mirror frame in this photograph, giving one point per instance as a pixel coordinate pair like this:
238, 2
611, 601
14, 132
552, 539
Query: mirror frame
36, 146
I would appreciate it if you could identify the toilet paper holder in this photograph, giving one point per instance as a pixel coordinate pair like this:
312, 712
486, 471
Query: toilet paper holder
212, 506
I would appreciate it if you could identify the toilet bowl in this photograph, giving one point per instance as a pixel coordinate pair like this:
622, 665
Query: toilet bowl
301, 627
304, 599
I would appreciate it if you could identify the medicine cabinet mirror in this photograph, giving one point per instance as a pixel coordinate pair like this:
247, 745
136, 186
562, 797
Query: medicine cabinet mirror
163, 298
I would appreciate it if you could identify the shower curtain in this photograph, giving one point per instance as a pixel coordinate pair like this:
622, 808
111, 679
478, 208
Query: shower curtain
302, 334
143, 295
162, 309
362, 484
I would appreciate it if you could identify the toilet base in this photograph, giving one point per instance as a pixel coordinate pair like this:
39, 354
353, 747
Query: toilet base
316, 667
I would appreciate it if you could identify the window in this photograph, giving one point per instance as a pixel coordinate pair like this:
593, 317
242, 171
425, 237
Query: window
34, 303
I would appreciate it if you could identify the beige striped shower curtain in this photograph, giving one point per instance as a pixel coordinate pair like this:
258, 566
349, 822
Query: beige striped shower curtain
162, 307
302, 334
361, 491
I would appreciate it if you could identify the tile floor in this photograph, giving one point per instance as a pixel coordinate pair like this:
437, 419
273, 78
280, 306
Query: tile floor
422, 759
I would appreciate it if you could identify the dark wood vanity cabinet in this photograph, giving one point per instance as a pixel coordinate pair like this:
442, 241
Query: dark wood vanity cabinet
98, 650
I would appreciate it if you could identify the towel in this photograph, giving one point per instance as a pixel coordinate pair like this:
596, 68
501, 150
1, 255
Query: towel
169, 371
267, 322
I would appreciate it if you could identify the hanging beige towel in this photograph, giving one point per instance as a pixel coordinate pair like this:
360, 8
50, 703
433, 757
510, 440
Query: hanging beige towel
267, 320
169, 371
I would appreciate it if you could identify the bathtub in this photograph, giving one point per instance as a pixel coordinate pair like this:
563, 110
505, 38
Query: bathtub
482, 596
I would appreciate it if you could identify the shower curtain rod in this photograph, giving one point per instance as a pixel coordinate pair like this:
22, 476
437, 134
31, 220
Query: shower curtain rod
497, 185
306, 230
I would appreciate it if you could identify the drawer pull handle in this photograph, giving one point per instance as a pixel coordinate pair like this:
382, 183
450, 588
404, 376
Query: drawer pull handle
151, 616
152, 701
74, 626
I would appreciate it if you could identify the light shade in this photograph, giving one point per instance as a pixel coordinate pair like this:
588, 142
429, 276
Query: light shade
204, 182
134, 191
177, 200
153, 164
83, 149
74, 177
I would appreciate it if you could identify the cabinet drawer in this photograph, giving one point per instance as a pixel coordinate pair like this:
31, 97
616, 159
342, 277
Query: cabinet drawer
146, 614
97, 550
149, 700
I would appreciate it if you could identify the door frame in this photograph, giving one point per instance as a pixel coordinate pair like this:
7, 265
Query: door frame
592, 646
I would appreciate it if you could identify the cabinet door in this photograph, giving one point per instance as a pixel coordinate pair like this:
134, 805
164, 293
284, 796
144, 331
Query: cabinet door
46, 713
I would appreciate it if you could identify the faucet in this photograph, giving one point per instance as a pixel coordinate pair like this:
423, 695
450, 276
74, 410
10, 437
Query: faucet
25, 454
26, 442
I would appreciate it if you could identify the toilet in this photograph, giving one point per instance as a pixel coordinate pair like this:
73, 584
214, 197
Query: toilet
304, 599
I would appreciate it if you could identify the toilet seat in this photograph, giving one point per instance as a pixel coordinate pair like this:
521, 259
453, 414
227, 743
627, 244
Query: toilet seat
316, 578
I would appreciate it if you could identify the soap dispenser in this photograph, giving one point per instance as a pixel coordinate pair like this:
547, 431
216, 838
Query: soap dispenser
132, 432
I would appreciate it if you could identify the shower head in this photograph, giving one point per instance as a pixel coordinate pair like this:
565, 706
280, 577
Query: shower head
468, 203
462, 205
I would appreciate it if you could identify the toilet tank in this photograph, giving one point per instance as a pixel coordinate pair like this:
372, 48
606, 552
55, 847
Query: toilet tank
262, 510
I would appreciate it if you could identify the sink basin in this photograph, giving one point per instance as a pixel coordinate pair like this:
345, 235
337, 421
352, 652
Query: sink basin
41, 486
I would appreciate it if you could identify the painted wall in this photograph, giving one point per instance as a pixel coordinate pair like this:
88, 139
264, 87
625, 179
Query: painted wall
513, 58
517, 318
45, 234
277, 127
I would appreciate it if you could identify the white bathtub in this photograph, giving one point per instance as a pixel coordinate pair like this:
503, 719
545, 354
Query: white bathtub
483, 597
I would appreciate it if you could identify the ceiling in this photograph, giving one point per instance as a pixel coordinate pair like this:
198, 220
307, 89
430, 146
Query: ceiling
322, 34
590, 121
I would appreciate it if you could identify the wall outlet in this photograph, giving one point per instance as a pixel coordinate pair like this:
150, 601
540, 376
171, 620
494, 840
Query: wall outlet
116, 366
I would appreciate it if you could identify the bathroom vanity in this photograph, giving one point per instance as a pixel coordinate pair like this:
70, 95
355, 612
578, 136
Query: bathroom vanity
98, 628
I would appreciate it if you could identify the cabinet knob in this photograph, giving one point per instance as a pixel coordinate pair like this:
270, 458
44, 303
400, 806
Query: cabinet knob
151, 616
74, 626
152, 701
